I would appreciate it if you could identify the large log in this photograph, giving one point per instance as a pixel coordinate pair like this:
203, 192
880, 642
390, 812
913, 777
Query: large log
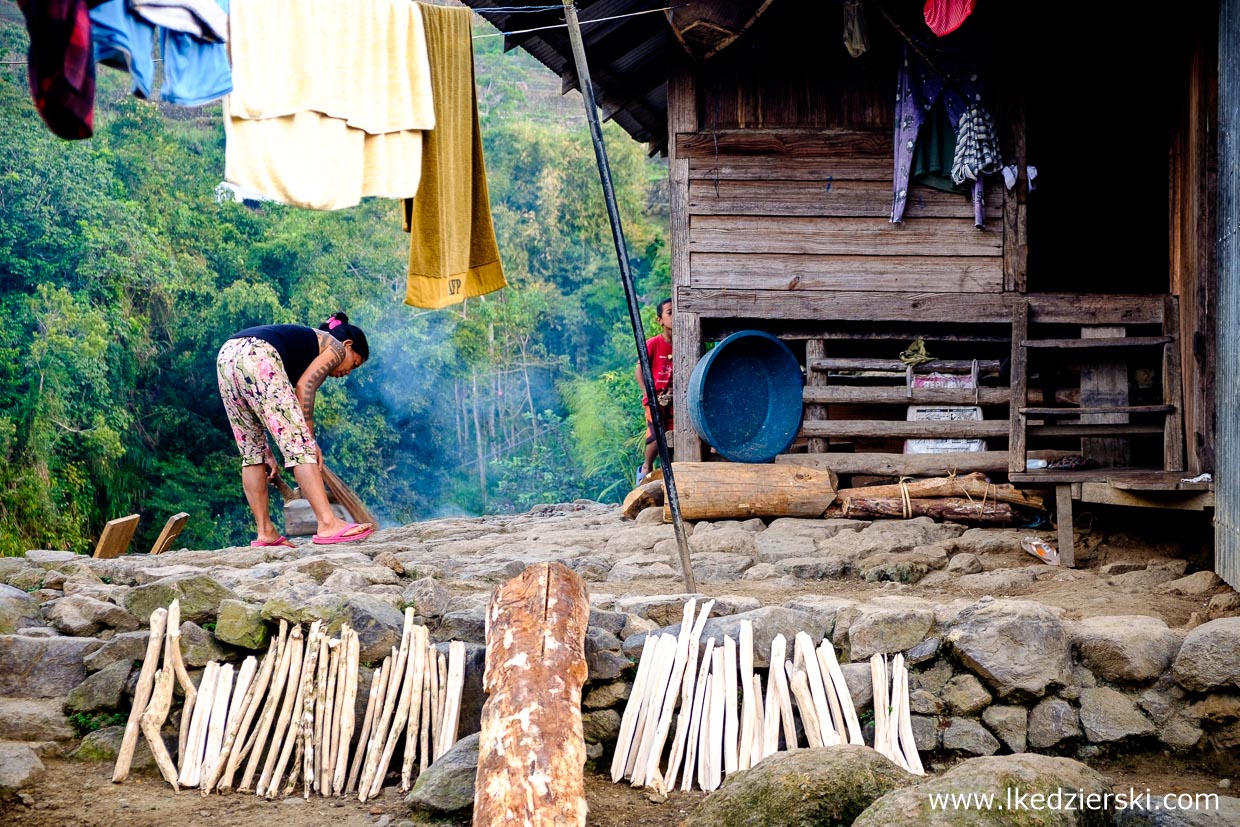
910, 465
947, 508
971, 485
532, 751
737, 490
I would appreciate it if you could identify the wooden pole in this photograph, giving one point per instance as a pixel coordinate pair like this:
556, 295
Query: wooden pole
947, 508
173, 653
831, 666
743, 759
153, 720
535, 668
973, 485
377, 681
238, 724
632, 707
347, 714
696, 720
731, 725
662, 707
142, 695
292, 691
281, 675
289, 723
421, 648
195, 745
806, 703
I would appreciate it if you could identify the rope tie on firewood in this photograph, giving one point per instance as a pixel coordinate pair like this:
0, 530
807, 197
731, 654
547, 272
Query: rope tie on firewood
905, 501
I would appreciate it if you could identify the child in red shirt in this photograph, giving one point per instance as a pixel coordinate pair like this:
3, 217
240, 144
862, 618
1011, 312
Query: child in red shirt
659, 349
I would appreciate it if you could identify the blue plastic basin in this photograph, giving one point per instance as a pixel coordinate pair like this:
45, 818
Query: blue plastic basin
744, 397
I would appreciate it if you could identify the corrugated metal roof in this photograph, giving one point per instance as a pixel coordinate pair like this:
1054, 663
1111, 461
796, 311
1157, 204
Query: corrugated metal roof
628, 56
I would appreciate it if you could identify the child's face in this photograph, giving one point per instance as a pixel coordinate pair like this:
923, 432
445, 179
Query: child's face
665, 318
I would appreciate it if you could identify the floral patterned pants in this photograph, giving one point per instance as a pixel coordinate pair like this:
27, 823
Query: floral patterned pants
257, 395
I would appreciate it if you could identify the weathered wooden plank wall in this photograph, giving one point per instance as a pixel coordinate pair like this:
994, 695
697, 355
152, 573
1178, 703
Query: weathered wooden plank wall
1227, 472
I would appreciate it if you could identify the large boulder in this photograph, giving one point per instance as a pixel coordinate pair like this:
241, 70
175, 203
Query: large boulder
105, 745
447, 785
199, 594
1017, 646
801, 788
241, 624
1210, 656
1180, 810
83, 616
1108, 715
127, 646
887, 628
428, 597
20, 768
1014, 782
1052, 721
18, 610
101, 691
34, 719
42, 667
1126, 648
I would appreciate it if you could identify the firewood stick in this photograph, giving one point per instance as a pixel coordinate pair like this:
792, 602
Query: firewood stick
153, 720
770, 734
424, 727
663, 707
296, 669
973, 485
377, 685
442, 673
318, 736
714, 752
878, 677
401, 716
744, 759
142, 695
331, 717
245, 737
784, 696
756, 752
456, 685
908, 744
380, 734
421, 644
628, 721
378, 730
665, 659
807, 658
826, 659
433, 669
346, 701
703, 744
695, 718
809, 713
280, 674
288, 723
212, 770
195, 744
221, 701
893, 718
230, 753
173, 653
731, 724
686, 697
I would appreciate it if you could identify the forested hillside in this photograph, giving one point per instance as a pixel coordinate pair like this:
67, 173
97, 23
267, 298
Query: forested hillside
121, 275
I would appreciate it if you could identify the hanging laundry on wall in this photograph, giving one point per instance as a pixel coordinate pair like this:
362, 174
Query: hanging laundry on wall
330, 102
945, 16
453, 254
60, 65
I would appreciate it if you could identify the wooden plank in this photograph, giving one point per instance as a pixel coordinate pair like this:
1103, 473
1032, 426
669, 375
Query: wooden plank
934, 365
1173, 389
686, 326
911, 465
841, 394
1076, 308
1015, 211
838, 198
1097, 409
1063, 513
866, 274
114, 541
808, 235
172, 530
1104, 383
736, 168
737, 490
846, 143
1105, 493
1097, 342
1017, 437
1094, 431
1147, 480
946, 429
815, 381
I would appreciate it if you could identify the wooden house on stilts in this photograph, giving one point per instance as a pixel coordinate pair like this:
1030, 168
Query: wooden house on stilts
1083, 296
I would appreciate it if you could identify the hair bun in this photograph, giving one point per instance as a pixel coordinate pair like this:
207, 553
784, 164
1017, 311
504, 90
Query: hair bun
343, 318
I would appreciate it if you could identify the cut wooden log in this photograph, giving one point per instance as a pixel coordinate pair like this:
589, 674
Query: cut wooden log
173, 653
172, 530
292, 696
806, 657
947, 508
232, 752
739, 490
280, 677
784, 695
327, 760
771, 711
831, 666
403, 703
153, 720
456, 685
703, 735
195, 745
347, 715
805, 702
756, 753
114, 541
421, 650
632, 709
216, 724
647, 495
290, 725
424, 728
908, 746
535, 668
375, 766
731, 724
378, 680
656, 691
714, 751
882, 706
893, 720
432, 669
241, 694
694, 721
142, 695
374, 744
974, 486
743, 759
686, 698
312, 718
441, 660
661, 708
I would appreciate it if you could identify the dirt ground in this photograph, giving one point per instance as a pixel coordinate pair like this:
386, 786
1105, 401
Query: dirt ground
83, 794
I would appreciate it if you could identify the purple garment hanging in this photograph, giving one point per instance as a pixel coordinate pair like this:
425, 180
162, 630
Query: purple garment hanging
918, 88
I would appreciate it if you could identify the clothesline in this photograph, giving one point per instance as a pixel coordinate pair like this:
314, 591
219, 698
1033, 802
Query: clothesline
564, 25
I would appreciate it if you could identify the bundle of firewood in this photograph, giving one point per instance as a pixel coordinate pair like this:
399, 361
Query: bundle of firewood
293, 714
713, 738
970, 497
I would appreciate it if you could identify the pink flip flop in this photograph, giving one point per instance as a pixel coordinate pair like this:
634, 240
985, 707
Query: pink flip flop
342, 536
279, 541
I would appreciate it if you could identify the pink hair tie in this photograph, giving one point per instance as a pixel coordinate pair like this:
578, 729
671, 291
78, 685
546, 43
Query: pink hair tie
333, 324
